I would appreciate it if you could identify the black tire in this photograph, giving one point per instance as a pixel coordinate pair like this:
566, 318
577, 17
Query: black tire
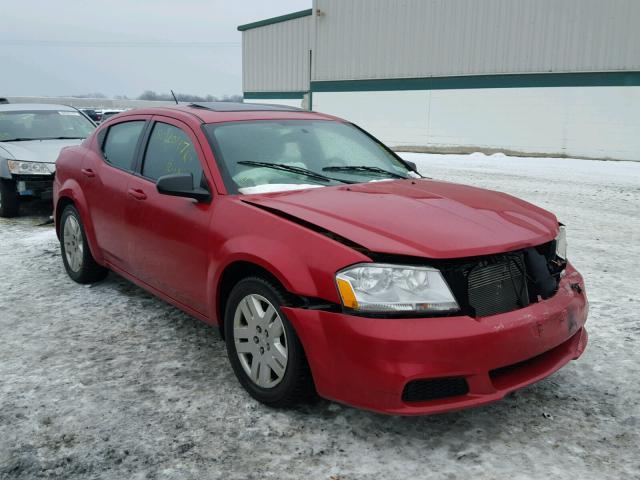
296, 386
88, 270
9, 200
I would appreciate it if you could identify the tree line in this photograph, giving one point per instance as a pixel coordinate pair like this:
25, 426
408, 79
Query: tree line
182, 97
187, 97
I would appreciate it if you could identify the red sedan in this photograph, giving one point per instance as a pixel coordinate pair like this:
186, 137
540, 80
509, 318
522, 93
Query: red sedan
330, 265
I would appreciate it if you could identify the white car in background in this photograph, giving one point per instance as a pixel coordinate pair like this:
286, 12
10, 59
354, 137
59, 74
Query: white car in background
31, 137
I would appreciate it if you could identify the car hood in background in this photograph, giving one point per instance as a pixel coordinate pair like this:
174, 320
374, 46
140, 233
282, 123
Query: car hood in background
44, 151
423, 218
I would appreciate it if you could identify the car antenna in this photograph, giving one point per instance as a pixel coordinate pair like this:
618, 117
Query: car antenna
174, 97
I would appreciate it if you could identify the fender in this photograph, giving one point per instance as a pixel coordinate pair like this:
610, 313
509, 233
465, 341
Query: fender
238, 250
71, 189
303, 271
4, 168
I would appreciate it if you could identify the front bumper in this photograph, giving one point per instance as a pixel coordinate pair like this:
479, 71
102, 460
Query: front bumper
367, 362
36, 185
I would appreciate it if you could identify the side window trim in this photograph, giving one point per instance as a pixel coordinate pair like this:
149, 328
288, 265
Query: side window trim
141, 148
102, 138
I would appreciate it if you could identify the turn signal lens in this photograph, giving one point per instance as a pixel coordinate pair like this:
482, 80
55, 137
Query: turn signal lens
347, 294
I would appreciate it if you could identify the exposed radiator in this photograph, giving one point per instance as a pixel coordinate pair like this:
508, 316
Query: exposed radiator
498, 287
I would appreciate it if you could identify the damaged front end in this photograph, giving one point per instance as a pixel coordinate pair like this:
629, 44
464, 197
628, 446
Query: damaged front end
499, 283
482, 285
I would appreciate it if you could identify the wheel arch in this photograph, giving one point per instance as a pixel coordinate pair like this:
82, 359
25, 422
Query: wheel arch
233, 273
71, 194
63, 202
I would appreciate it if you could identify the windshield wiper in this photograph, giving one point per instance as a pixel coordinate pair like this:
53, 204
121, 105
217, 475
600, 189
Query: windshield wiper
60, 138
292, 169
25, 139
362, 168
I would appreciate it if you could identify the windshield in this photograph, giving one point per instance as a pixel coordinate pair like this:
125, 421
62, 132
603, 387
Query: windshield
43, 124
276, 155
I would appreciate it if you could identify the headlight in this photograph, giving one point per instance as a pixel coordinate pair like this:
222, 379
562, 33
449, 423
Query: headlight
31, 168
374, 287
561, 243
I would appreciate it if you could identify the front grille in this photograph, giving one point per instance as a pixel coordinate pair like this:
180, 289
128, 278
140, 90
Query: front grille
498, 287
433, 389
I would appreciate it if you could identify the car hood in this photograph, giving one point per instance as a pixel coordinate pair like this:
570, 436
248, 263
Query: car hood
423, 218
43, 151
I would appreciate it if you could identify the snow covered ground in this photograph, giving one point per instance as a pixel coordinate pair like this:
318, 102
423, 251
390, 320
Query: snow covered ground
108, 382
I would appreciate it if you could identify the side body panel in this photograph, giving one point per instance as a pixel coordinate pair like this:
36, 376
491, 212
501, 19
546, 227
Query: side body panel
302, 260
105, 188
170, 250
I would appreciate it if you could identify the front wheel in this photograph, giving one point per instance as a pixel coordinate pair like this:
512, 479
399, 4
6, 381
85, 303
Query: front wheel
9, 200
76, 255
263, 348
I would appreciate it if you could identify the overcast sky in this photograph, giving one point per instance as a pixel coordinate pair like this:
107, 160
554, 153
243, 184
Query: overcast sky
123, 47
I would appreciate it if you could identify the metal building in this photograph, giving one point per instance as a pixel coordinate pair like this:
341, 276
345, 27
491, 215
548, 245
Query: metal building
554, 77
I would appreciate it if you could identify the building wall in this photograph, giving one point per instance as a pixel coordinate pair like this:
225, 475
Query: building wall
556, 77
289, 102
594, 122
372, 39
275, 57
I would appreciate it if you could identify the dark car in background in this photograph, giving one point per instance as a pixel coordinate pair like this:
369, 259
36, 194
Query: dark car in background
93, 114
107, 114
31, 137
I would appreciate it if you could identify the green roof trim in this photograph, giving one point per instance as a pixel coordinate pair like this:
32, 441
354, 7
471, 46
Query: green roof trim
271, 21
273, 95
517, 80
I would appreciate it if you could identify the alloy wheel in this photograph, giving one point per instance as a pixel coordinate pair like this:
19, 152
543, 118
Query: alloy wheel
260, 341
73, 243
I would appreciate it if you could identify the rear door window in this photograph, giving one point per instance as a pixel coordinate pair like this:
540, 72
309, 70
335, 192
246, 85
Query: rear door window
119, 147
170, 151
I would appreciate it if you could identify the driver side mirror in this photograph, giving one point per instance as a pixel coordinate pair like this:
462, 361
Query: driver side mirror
181, 185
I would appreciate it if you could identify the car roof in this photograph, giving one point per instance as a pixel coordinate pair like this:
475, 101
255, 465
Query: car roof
15, 107
215, 112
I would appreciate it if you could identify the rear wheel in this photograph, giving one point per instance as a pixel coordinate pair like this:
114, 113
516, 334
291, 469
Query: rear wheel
263, 348
76, 255
9, 200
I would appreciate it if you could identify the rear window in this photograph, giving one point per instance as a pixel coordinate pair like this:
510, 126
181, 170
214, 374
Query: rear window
120, 145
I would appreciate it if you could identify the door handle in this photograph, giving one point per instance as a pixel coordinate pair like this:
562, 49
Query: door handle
137, 194
88, 172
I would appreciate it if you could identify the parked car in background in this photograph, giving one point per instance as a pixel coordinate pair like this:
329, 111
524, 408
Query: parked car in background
106, 114
93, 114
3, 101
31, 137
329, 264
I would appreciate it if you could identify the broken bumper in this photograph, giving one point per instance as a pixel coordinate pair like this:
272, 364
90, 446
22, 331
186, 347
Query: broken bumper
368, 362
